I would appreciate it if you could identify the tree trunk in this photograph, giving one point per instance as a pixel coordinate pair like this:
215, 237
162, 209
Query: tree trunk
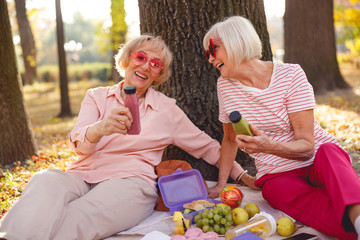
65, 102
310, 42
183, 24
27, 42
16, 140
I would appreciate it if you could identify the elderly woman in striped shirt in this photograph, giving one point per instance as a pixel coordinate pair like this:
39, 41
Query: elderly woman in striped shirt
297, 160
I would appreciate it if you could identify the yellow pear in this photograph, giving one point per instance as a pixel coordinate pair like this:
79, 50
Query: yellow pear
252, 209
285, 226
239, 215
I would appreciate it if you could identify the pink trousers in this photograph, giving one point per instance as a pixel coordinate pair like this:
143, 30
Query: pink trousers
318, 195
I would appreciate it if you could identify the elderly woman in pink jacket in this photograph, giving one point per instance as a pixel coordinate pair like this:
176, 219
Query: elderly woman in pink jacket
112, 185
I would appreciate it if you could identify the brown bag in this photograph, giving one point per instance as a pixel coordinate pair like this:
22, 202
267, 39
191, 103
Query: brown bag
165, 168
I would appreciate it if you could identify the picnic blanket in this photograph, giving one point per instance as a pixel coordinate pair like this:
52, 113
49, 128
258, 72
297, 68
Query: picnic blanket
162, 222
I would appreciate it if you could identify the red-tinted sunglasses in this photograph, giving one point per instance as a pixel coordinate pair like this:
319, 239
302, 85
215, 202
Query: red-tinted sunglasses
211, 49
141, 58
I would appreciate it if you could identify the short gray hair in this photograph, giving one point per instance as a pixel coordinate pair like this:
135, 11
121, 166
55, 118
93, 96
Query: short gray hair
239, 38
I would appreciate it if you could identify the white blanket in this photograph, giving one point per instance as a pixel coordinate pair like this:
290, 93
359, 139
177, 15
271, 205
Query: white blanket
162, 222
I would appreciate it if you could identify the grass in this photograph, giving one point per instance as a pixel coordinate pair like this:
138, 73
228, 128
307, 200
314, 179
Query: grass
337, 113
77, 72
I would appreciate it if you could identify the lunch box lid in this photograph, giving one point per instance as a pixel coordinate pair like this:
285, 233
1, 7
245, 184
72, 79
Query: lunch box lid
182, 187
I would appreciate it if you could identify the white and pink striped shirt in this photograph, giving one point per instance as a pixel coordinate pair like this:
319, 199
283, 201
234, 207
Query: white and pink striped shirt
289, 91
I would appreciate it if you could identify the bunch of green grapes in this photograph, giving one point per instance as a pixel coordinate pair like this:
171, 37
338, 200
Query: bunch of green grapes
217, 219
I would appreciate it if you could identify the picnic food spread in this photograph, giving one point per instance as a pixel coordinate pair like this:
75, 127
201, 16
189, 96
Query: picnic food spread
199, 218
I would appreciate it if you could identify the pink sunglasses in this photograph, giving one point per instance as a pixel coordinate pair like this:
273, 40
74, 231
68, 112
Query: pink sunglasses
141, 58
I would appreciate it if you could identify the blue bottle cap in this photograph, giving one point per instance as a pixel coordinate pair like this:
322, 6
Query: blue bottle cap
130, 89
235, 116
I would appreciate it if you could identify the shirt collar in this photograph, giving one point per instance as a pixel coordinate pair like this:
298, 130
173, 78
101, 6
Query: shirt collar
151, 98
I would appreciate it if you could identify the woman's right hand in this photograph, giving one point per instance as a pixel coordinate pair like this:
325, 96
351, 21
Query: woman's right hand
118, 121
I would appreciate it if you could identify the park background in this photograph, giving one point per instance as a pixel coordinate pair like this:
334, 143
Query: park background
88, 36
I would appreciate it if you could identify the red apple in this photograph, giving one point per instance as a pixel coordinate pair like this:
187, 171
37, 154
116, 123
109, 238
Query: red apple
231, 196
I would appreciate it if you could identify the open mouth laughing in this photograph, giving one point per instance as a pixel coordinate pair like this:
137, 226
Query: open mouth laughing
140, 75
219, 65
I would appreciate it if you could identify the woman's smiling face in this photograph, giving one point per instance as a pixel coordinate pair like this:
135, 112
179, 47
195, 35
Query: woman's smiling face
141, 76
221, 60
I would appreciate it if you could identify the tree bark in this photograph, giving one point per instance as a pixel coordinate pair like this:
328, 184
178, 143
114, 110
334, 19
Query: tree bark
16, 140
310, 42
27, 42
64, 91
182, 24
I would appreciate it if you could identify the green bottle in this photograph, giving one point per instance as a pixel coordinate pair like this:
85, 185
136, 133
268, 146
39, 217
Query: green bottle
240, 124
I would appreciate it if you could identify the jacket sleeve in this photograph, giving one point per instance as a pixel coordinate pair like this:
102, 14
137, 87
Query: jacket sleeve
88, 115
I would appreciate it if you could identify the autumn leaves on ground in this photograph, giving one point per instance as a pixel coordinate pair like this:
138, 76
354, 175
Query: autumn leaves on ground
338, 113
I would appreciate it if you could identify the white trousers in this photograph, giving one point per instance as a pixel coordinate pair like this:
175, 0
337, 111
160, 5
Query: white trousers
61, 206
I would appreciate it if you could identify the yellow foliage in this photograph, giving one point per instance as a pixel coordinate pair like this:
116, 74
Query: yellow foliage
354, 46
348, 21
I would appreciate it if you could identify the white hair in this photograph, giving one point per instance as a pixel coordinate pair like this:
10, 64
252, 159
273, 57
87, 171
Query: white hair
238, 37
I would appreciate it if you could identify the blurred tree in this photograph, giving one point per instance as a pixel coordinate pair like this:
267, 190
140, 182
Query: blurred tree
118, 32
310, 42
87, 32
347, 18
65, 102
27, 42
16, 140
183, 24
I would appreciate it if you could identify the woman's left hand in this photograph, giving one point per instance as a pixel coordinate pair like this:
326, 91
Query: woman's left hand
253, 144
249, 181
214, 192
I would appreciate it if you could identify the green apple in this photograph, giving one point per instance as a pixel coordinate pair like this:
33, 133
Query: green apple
285, 226
252, 209
239, 215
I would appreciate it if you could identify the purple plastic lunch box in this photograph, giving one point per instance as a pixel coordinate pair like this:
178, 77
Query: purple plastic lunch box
183, 187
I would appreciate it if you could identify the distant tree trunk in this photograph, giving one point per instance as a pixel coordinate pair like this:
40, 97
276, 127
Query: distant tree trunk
65, 102
183, 24
16, 140
27, 42
118, 32
310, 42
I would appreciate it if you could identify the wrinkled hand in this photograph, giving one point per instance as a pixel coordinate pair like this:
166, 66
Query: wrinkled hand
214, 192
118, 121
249, 181
254, 144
